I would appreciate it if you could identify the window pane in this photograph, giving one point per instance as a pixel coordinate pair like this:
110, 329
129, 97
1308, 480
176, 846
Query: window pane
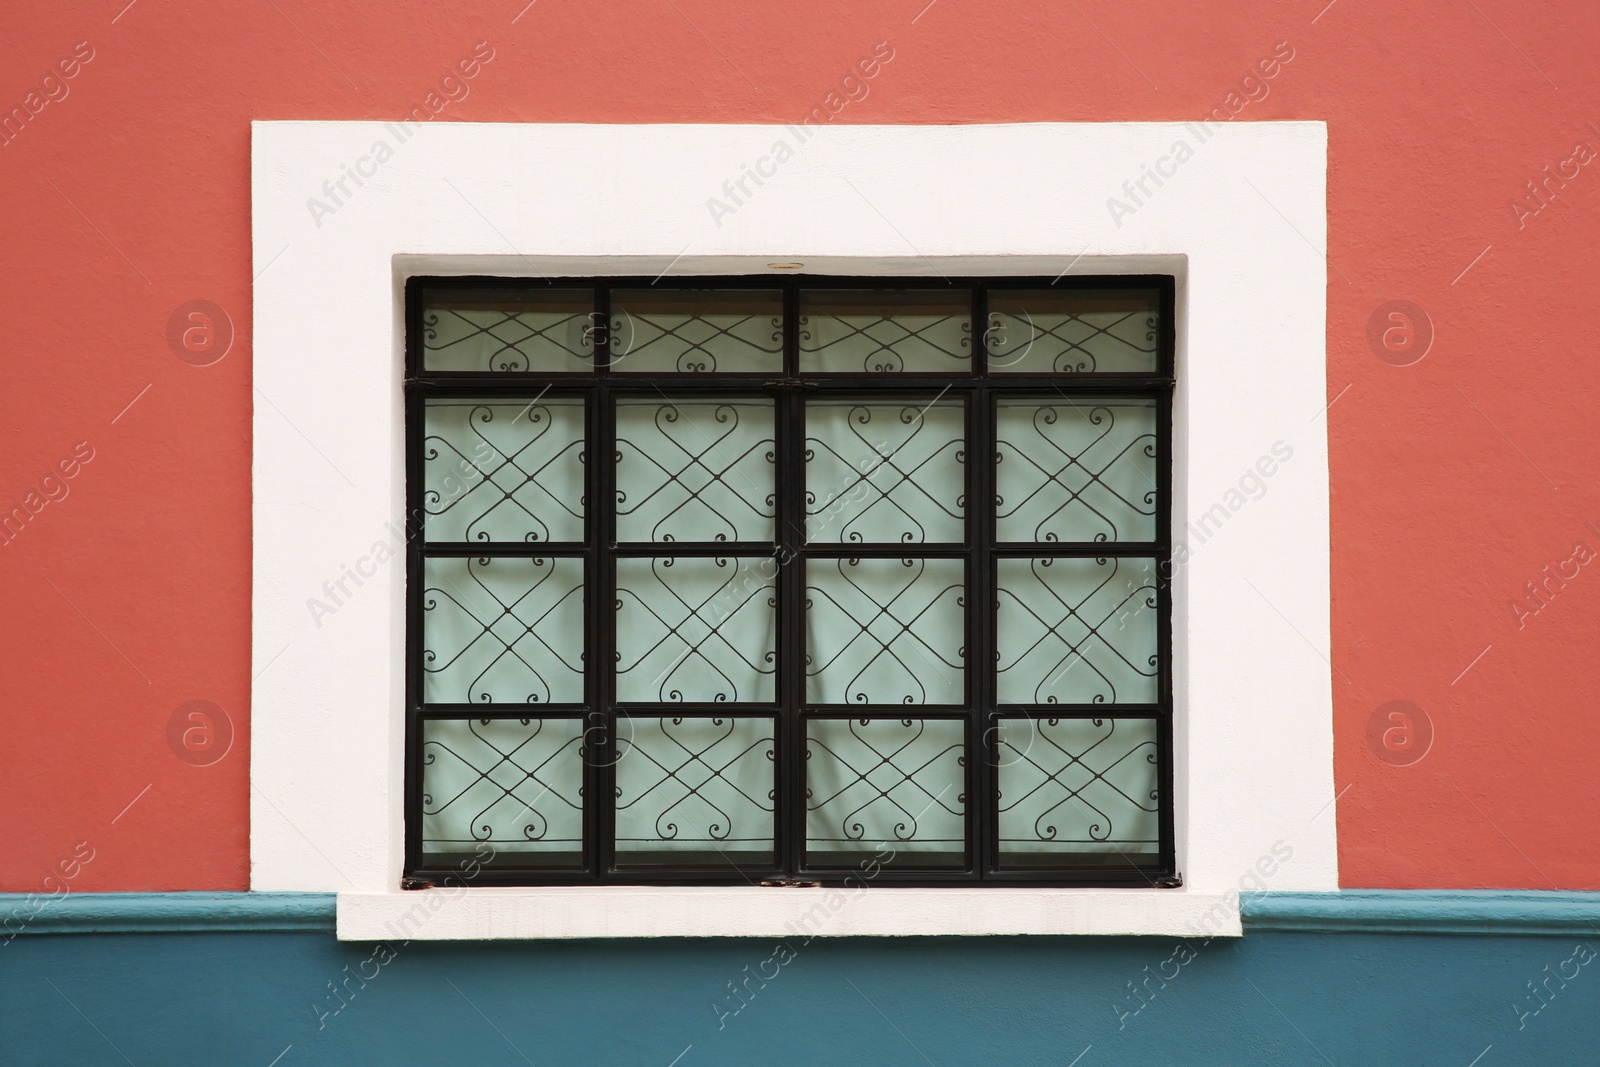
1077, 631
503, 470
507, 330
887, 788
885, 473
695, 470
1076, 470
1045, 331
502, 630
694, 331
695, 790
855, 332
1078, 792
515, 785
696, 629
885, 631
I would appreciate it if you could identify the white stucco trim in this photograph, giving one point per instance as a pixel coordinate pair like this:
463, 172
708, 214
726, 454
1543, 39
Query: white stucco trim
881, 911
1241, 221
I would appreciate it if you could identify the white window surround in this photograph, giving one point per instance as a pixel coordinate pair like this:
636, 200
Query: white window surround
1241, 222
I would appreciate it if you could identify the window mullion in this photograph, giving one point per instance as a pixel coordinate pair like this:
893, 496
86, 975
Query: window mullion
1164, 573
602, 535
790, 806
981, 807
412, 525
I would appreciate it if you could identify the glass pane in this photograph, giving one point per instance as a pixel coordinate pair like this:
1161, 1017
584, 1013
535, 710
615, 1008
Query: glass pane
882, 473
671, 332
507, 330
1046, 331
1076, 471
855, 332
1077, 792
515, 785
503, 470
891, 788
696, 629
695, 470
1077, 631
885, 631
695, 790
502, 631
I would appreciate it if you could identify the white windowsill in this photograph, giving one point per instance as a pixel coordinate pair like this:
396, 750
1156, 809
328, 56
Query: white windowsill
653, 911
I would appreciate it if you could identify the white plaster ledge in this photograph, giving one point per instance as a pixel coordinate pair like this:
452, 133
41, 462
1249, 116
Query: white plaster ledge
641, 911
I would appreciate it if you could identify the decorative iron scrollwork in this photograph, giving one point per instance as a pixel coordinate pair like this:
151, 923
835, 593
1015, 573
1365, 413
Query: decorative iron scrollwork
771, 579
885, 631
687, 783
1077, 785
695, 471
884, 333
1077, 631
508, 332
514, 783
885, 473
695, 629
503, 630
509, 471
697, 332
882, 780
1050, 332
1075, 472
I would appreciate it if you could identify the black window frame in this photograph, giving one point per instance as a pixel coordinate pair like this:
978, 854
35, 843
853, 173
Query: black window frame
789, 391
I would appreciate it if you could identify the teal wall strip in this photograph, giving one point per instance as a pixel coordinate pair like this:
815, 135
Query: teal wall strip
303, 999
152, 913
1409, 911
1426, 911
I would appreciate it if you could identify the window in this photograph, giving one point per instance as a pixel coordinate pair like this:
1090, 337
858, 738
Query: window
732, 580
1252, 687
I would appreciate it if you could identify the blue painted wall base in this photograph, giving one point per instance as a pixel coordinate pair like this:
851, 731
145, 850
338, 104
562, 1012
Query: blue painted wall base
268, 1000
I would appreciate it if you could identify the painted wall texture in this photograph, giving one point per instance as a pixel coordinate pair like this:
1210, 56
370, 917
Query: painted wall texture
1267, 999
1462, 214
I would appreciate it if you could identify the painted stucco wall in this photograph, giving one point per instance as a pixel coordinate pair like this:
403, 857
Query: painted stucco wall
1270, 998
1457, 478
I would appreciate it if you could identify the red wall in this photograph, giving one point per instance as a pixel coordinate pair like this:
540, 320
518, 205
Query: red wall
1455, 479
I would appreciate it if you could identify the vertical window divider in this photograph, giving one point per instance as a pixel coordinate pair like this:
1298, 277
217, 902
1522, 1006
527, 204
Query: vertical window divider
982, 808
1167, 347
789, 807
411, 526
601, 516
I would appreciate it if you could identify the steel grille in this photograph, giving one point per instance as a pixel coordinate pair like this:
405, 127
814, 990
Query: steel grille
803, 579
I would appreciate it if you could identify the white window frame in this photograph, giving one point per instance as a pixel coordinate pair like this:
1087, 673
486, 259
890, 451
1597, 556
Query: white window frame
1239, 217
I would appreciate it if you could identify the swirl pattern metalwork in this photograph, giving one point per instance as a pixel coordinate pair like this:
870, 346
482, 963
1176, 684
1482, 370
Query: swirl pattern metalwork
885, 631
689, 784
515, 783
695, 471
695, 629
551, 330
877, 781
720, 548
503, 471
1077, 786
502, 630
697, 332
1074, 473
1077, 631
885, 473
884, 333
1047, 332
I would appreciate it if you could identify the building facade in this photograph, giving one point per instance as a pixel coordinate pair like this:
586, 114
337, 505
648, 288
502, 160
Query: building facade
1063, 551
